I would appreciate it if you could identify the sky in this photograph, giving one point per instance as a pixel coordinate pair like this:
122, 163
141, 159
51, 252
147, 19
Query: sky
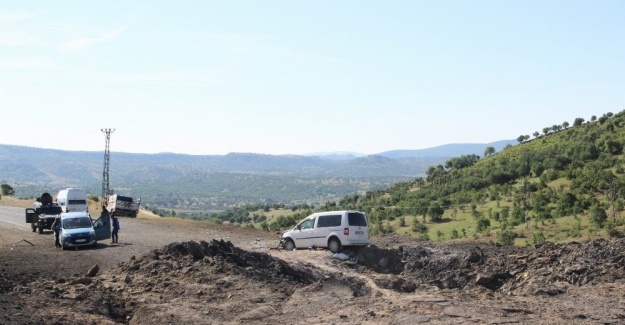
299, 77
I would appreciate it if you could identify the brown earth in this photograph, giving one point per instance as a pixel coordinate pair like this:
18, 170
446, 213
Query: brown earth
167, 271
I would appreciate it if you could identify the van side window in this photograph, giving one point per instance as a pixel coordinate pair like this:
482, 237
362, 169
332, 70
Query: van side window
356, 219
329, 221
307, 224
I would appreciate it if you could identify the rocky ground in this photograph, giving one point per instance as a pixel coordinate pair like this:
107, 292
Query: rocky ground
240, 280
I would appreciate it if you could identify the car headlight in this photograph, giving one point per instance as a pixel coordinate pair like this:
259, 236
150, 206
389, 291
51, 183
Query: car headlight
92, 233
64, 234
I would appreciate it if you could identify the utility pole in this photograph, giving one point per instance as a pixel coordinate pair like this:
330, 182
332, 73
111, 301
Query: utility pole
105, 172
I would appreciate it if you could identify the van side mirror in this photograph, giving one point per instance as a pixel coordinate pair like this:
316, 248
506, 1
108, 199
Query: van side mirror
299, 227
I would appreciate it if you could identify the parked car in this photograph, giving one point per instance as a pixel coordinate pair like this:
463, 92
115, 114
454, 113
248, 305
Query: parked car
332, 229
77, 229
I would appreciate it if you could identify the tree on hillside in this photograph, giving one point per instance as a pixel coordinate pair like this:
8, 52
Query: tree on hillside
598, 216
603, 119
578, 121
463, 161
546, 130
521, 138
436, 212
7, 190
565, 124
489, 151
593, 118
613, 195
536, 134
434, 173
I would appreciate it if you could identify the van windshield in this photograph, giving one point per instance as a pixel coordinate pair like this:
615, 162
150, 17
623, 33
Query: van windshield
75, 223
357, 219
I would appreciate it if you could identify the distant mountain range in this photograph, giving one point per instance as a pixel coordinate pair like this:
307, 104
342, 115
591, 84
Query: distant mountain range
449, 150
443, 151
218, 181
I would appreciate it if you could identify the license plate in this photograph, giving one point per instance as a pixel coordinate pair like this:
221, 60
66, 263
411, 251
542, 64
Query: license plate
359, 232
81, 240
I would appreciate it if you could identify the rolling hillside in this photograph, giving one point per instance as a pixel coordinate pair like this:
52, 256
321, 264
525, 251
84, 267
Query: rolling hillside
214, 182
565, 184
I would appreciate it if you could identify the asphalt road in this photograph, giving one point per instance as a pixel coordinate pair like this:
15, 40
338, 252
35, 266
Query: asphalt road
13, 218
137, 237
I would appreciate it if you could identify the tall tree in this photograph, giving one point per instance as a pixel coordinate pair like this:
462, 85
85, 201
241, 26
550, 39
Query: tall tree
536, 134
7, 189
578, 121
565, 124
435, 211
489, 151
521, 138
546, 130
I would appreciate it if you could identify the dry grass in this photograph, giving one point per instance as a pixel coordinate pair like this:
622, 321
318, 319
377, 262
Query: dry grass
15, 202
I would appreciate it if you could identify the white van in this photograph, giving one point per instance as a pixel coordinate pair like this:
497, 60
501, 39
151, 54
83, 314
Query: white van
332, 229
72, 200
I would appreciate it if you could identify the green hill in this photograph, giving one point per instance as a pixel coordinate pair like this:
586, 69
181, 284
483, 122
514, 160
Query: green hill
565, 184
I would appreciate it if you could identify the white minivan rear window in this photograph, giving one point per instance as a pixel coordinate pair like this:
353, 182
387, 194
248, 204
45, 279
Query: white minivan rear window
356, 219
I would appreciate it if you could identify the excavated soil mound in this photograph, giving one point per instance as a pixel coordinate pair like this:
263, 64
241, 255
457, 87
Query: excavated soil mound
182, 283
548, 269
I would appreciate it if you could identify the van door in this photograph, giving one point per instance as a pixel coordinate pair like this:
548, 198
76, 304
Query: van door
358, 230
102, 227
326, 225
304, 233
31, 215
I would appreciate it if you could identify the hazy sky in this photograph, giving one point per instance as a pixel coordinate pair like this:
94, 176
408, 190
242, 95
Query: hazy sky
295, 77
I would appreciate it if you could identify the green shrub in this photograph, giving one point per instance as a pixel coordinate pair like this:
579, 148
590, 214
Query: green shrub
538, 238
482, 224
610, 227
402, 221
598, 216
506, 237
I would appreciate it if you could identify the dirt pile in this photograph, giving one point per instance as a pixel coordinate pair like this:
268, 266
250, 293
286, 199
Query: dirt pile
182, 283
551, 268
548, 269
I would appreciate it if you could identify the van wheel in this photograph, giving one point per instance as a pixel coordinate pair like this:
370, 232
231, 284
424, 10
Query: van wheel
289, 245
334, 244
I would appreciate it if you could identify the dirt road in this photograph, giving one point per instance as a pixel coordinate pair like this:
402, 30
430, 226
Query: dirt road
184, 272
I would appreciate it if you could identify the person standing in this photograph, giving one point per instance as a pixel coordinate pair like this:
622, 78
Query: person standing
56, 227
114, 236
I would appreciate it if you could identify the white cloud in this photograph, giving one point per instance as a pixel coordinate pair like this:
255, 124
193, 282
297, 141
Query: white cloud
79, 44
